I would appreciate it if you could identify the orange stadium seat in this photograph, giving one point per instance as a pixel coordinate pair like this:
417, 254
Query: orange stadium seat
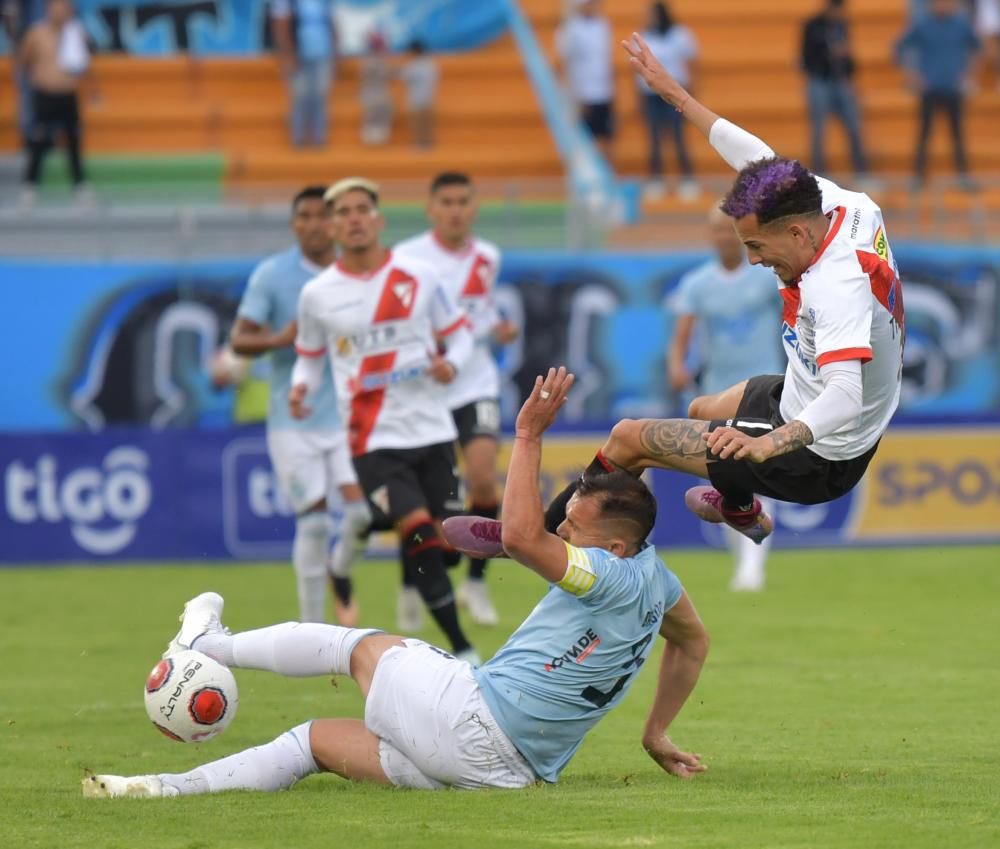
488, 120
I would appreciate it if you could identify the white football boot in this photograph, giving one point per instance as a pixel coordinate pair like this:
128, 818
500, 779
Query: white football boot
409, 610
202, 615
121, 786
474, 596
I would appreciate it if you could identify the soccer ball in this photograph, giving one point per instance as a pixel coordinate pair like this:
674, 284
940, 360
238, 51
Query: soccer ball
191, 697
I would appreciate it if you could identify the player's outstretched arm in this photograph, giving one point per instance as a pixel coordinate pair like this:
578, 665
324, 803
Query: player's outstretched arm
683, 658
524, 535
734, 144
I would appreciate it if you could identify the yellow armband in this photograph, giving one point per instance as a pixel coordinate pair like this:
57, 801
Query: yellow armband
580, 575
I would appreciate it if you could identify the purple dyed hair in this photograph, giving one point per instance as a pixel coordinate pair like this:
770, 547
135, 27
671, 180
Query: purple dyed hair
772, 189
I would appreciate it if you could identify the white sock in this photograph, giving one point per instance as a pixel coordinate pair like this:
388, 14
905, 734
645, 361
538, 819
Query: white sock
312, 540
294, 649
352, 542
274, 766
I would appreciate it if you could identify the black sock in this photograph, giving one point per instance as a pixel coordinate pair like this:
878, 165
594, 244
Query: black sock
342, 589
556, 511
423, 561
477, 566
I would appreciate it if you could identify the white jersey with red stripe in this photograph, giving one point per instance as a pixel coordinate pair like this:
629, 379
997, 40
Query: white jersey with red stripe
380, 331
470, 275
848, 305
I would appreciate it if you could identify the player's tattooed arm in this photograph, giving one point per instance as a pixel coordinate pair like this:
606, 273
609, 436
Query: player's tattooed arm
663, 439
789, 437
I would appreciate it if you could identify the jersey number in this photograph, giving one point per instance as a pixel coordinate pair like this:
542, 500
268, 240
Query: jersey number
600, 699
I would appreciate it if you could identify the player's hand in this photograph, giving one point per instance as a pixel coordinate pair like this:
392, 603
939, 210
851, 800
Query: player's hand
441, 369
647, 66
297, 401
680, 377
543, 404
285, 338
671, 759
505, 332
728, 442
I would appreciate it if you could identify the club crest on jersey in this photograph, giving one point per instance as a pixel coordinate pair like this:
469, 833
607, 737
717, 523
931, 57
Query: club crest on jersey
344, 346
404, 291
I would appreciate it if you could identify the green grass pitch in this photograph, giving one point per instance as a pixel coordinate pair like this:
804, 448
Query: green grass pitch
855, 703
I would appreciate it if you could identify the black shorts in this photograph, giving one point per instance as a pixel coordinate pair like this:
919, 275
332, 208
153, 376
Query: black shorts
479, 418
599, 119
397, 481
802, 476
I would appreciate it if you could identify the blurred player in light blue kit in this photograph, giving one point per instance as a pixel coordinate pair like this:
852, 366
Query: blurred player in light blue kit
432, 720
732, 308
310, 457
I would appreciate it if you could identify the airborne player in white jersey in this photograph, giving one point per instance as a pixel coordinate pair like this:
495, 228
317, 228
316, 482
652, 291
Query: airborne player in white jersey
380, 317
806, 436
468, 266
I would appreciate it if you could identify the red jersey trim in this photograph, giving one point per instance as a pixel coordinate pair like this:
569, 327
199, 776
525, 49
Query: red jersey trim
368, 274
310, 352
841, 212
844, 354
451, 328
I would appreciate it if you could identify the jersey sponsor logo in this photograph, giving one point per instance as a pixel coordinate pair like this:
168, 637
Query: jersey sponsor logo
370, 381
855, 223
791, 338
881, 245
578, 652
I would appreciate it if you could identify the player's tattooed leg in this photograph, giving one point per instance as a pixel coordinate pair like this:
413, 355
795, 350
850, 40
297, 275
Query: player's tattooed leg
672, 443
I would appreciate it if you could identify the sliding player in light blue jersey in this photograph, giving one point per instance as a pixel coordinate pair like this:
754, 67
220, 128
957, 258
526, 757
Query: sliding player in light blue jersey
433, 721
310, 457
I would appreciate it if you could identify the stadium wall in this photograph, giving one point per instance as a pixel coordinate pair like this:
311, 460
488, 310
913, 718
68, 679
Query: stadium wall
120, 343
114, 445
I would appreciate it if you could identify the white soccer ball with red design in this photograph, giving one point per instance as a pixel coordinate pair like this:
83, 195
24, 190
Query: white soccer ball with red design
191, 697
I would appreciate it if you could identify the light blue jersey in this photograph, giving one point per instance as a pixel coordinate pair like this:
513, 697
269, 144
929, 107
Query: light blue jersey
576, 655
738, 319
272, 298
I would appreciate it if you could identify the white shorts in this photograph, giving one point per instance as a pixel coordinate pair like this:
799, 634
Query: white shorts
435, 728
310, 465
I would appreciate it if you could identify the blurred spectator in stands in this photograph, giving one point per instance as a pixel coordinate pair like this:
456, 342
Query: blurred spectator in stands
306, 40
584, 45
56, 59
18, 17
988, 28
674, 45
937, 52
376, 98
829, 70
420, 76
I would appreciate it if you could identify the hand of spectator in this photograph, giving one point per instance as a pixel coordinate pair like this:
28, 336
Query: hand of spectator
914, 82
